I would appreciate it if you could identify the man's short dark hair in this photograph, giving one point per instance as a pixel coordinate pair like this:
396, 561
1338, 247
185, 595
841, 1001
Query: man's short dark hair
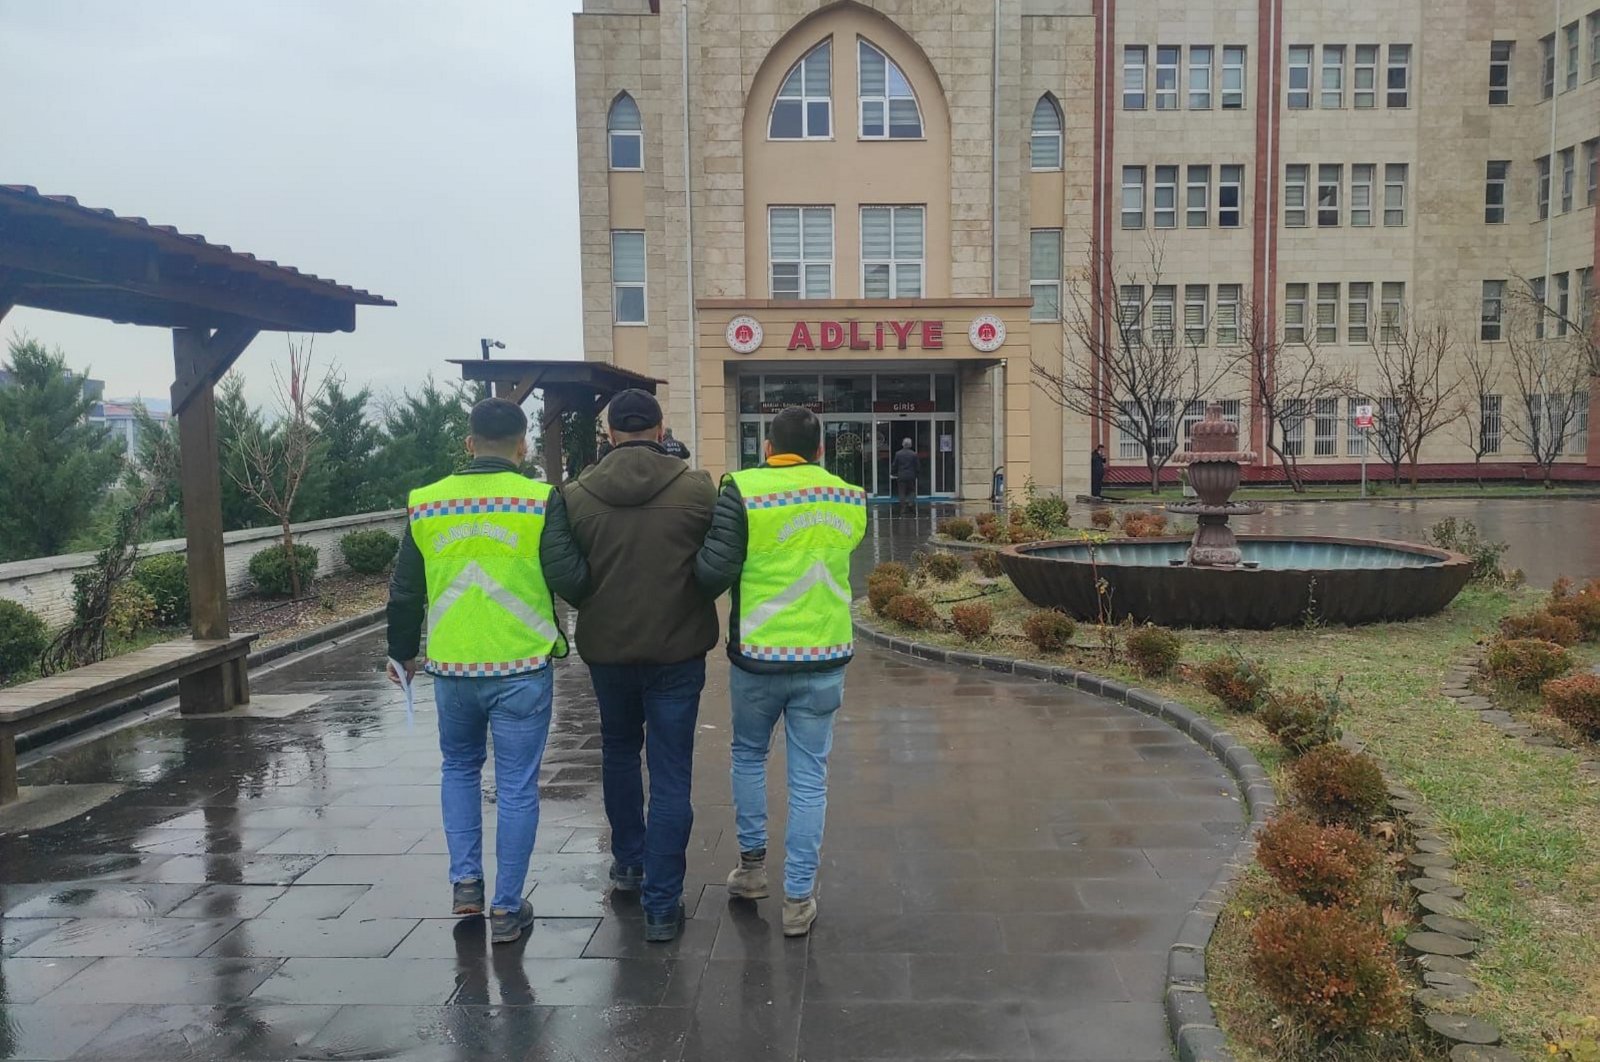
498, 420
796, 430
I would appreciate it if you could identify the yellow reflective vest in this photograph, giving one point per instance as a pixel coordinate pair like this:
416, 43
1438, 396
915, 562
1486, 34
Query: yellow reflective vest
490, 613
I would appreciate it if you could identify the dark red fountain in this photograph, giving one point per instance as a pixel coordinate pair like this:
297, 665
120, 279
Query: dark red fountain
1213, 460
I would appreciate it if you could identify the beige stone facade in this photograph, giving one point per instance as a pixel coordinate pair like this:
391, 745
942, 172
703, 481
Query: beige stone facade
1398, 100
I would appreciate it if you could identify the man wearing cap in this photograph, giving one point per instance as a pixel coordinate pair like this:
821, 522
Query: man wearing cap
470, 561
623, 542
781, 538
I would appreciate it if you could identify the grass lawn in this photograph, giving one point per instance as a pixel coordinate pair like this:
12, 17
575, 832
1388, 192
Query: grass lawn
1375, 489
1524, 824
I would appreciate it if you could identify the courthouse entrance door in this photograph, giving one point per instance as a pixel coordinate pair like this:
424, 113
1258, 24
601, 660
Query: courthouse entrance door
890, 434
844, 450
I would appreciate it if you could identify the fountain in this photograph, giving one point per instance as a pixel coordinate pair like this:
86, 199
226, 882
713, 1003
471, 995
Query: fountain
1218, 580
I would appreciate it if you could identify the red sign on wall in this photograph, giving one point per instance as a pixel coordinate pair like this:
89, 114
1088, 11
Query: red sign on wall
859, 335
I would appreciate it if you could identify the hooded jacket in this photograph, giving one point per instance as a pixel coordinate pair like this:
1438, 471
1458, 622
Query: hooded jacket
621, 545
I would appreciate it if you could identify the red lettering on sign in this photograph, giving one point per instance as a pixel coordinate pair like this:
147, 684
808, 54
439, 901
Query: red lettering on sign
932, 335
832, 334
856, 342
902, 331
800, 338
878, 335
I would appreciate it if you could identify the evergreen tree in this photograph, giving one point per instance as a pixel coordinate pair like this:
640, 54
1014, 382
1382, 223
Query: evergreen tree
425, 439
236, 420
56, 466
342, 480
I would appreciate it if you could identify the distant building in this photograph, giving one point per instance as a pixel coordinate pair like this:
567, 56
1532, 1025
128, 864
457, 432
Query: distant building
120, 419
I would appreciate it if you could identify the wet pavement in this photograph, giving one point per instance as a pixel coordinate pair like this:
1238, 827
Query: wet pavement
1005, 865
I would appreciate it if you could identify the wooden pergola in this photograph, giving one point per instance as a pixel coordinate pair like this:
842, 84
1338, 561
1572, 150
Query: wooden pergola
566, 385
56, 254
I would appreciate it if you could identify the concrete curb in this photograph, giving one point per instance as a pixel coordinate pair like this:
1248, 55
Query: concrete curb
1191, 1022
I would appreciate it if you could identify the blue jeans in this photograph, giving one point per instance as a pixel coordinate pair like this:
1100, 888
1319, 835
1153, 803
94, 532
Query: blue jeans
806, 702
516, 710
653, 707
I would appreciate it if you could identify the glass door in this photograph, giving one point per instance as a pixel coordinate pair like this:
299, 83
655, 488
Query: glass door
890, 434
844, 451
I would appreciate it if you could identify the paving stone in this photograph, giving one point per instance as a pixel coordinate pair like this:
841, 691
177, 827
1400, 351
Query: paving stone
1452, 926
1424, 941
1449, 982
1434, 903
1425, 844
1438, 886
1462, 1028
1445, 964
1431, 860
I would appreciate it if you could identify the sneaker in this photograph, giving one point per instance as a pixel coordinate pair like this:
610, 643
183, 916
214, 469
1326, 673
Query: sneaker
467, 898
749, 880
506, 926
627, 879
660, 929
798, 916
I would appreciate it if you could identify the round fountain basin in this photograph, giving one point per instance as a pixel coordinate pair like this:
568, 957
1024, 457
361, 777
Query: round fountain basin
1285, 580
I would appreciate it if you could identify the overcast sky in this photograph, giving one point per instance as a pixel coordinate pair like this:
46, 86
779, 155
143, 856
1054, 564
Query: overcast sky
420, 149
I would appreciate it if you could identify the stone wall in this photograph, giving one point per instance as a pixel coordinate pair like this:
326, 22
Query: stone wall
44, 585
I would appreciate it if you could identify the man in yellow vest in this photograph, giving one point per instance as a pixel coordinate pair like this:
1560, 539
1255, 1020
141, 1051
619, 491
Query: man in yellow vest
781, 538
470, 560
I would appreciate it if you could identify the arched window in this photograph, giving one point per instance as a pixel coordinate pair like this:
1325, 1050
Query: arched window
888, 106
626, 134
1046, 139
804, 107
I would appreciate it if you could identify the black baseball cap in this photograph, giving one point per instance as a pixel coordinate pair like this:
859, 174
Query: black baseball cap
633, 410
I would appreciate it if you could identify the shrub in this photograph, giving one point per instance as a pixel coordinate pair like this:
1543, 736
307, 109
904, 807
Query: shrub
987, 561
972, 620
369, 552
165, 577
1235, 680
912, 610
22, 638
1462, 536
1543, 626
1322, 865
1302, 721
1102, 519
1526, 663
956, 528
987, 522
942, 567
1576, 702
884, 584
130, 611
270, 569
1048, 629
1144, 524
1339, 786
891, 570
1026, 533
1328, 967
1582, 608
1047, 511
1154, 650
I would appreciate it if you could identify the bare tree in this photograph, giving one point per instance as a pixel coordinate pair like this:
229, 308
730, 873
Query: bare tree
1128, 363
1413, 363
275, 458
1286, 378
1479, 425
1551, 364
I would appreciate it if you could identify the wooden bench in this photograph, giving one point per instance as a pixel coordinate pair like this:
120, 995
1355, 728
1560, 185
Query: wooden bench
213, 676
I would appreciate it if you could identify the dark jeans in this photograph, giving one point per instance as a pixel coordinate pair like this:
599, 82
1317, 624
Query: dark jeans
653, 707
906, 492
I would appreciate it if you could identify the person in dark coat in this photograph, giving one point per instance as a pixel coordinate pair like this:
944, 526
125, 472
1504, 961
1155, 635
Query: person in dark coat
903, 468
673, 447
1097, 471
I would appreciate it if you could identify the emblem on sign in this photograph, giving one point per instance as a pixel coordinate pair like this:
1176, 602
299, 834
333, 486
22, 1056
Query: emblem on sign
987, 333
744, 335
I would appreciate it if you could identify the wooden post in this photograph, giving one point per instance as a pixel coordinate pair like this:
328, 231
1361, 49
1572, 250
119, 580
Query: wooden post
554, 458
207, 691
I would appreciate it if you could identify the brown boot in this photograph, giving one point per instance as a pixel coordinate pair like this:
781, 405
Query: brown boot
798, 916
749, 880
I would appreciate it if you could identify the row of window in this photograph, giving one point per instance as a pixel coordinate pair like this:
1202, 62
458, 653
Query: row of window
1555, 296
1361, 63
1204, 73
1567, 159
1305, 321
1163, 197
1570, 47
1149, 314
1331, 210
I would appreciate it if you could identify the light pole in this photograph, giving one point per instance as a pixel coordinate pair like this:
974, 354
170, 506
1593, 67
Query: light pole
484, 345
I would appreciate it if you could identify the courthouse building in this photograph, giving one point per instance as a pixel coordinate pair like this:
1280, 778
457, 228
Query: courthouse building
885, 210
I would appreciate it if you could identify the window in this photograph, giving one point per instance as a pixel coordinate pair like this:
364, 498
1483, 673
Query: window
1568, 178
1399, 83
1536, 290
1570, 35
1394, 301
1362, 176
1130, 314
1163, 315
1165, 207
891, 252
1195, 298
1044, 272
1355, 439
1500, 72
1394, 193
1200, 77
1131, 427
1329, 177
627, 277
888, 106
1586, 299
1294, 313
1133, 197
1563, 302
804, 107
1332, 76
1489, 424
1133, 73
1045, 142
1358, 311
1366, 77
1233, 78
1326, 412
1491, 317
1494, 191
1547, 57
1542, 185
1198, 200
625, 134
1327, 313
800, 242
1594, 45
1299, 77
1294, 427
1295, 177
1230, 197
1591, 156
1167, 58
1227, 317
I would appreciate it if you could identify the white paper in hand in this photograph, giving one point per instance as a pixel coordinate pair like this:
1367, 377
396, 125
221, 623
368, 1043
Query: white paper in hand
408, 687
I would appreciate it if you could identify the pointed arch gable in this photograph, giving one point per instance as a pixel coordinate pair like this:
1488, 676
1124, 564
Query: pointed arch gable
624, 134
1046, 143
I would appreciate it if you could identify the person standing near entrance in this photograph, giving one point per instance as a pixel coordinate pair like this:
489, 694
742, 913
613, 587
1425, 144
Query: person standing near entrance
904, 467
781, 539
470, 560
623, 540
1097, 471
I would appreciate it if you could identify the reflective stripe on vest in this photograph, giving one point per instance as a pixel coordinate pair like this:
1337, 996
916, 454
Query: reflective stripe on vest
490, 613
